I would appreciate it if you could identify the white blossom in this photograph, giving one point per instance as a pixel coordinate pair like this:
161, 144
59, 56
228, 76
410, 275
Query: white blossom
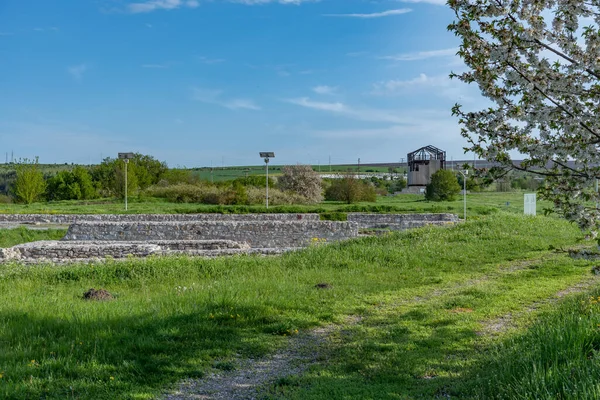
538, 61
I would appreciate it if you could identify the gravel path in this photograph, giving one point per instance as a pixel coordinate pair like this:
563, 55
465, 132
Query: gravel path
252, 376
501, 324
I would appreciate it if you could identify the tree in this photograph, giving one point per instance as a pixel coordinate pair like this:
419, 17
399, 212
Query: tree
148, 170
142, 171
443, 187
71, 185
29, 184
303, 180
537, 63
119, 180
349, 189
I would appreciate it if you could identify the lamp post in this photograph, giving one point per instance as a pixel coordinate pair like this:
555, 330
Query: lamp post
125, 157
464, 173
266, 155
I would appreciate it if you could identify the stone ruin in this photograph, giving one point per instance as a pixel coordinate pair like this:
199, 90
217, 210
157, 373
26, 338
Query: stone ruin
98, 237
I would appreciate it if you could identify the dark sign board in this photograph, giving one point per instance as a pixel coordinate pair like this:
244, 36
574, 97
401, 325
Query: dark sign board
125, 156
267, 154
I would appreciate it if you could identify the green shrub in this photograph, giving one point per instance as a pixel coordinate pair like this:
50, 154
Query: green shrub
255, 180
333, 216
29, 184
276, 197
71, 185
349, 189
443, 187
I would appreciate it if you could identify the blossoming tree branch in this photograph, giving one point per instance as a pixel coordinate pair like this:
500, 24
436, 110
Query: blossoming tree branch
538, 62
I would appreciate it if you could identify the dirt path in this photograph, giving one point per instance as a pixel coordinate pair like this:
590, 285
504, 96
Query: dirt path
501, 324
252, 376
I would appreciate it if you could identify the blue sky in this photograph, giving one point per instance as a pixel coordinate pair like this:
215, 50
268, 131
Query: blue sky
204, 82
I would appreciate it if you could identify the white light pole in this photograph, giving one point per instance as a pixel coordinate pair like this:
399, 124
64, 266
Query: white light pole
126, 163
266, 155
464, 174
125, 157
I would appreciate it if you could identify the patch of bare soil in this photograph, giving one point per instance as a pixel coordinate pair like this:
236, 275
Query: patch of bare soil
98, 295
250, 377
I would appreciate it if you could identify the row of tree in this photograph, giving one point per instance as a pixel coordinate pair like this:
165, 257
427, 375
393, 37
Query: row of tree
80, 183
145, 173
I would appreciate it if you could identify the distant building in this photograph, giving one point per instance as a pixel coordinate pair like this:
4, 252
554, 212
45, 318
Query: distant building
423, 163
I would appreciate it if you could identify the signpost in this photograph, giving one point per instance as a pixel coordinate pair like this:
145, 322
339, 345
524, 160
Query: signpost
126, 157
266, 155
464, 174
530, 204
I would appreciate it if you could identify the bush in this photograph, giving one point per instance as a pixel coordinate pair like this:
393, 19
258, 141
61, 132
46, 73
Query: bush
443, 187
255, 181
71, 185
349, 189
29, 184
276, 197
174, 176
235, 194
333, 216
397, 185
142, 172
302, 180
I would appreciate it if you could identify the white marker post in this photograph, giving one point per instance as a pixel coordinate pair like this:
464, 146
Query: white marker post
464, 173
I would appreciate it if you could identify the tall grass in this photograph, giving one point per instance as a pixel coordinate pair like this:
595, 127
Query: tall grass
557, 358
11, 237
177, 317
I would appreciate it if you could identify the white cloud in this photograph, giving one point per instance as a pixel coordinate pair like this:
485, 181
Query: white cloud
361, 114
440, 85
215, 97
152, 5
422, 55
372, 15
77, 71
387, 87
324, 89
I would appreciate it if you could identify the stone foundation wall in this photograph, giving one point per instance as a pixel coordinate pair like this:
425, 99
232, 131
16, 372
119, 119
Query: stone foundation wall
80, 250
64, 219
264, 234
400, 222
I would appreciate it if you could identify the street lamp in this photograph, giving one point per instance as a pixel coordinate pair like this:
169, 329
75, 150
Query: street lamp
464, 173
125, 157
266, 155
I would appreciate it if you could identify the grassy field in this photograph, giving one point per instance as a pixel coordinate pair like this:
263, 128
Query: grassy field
483, 203
425, 299
11, 237
229, 173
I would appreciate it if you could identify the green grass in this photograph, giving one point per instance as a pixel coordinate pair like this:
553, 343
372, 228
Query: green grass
478, 204
556, 358
178, 317
11, 237
230, 173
